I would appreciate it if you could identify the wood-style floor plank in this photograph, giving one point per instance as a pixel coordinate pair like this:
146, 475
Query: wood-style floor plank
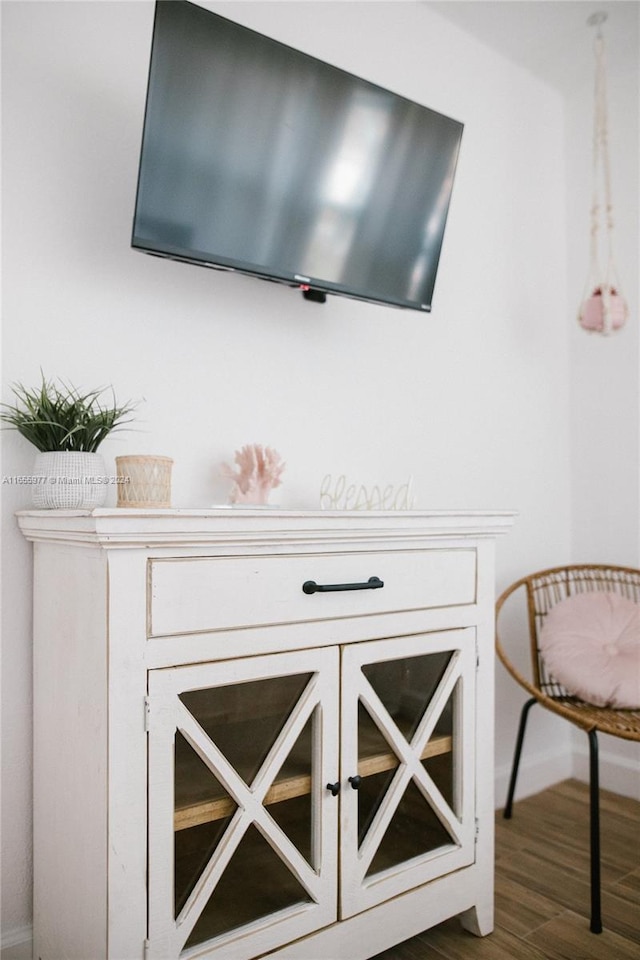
521, 910
543, 886
568, 938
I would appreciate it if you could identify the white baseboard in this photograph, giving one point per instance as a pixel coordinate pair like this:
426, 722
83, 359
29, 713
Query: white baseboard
618, 774
17, 944
536, 773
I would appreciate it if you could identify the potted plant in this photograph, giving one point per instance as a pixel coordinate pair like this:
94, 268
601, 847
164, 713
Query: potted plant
66, 426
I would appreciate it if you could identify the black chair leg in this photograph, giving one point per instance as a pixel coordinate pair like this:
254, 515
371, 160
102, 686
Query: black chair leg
594, 804
516, 757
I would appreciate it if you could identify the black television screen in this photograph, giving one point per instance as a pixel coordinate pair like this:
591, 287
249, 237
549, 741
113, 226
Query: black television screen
259, 158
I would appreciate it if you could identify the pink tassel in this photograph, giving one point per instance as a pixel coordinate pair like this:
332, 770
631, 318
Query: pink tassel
603, 314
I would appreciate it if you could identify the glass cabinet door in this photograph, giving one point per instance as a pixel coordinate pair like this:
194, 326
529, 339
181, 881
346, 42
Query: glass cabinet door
407, 810
242, 830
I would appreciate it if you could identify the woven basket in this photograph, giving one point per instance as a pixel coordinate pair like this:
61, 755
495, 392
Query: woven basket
144, 481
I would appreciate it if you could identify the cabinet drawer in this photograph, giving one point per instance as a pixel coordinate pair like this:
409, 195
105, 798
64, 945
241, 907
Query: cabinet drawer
208, 594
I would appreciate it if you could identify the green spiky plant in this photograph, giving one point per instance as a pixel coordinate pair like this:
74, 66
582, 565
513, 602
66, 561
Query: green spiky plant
59, 417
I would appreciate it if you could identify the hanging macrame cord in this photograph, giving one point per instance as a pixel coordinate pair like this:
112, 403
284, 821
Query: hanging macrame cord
603, 308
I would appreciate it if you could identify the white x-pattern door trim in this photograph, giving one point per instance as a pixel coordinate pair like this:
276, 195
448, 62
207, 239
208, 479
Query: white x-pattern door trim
359, 891
167, 936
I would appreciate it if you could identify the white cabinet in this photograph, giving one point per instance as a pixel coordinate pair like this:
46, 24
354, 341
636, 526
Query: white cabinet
260, 733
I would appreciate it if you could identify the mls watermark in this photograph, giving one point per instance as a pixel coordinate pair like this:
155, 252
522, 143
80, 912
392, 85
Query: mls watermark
26, 480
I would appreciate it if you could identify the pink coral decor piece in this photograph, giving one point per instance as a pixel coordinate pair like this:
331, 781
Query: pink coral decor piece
260, 470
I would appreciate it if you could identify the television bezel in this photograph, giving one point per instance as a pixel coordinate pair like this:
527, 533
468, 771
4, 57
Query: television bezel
313, 288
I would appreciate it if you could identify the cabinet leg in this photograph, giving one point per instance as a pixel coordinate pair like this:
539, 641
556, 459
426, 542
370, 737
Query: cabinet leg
478, 920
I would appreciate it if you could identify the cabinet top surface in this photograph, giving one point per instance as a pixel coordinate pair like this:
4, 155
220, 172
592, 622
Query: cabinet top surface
126, 526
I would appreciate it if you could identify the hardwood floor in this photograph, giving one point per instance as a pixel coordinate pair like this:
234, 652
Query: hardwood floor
542, 886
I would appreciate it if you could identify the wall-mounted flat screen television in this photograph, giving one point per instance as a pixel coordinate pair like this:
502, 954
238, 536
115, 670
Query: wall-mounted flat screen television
262, 159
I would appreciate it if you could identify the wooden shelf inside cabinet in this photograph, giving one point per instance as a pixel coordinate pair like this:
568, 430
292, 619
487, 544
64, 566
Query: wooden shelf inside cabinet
216, 808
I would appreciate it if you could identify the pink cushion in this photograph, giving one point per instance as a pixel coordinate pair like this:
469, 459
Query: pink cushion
590, 643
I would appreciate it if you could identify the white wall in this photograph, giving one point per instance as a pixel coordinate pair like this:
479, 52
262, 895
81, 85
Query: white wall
461, 399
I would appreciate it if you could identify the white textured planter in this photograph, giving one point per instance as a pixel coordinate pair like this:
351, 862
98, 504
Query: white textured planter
69, 481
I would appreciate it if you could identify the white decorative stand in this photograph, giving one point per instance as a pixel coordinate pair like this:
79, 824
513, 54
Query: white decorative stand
260, 733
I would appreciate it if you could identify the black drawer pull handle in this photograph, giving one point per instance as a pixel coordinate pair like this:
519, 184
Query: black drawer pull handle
334, 788
310, 586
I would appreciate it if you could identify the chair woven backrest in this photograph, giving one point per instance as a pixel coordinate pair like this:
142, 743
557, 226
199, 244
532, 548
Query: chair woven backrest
548, 587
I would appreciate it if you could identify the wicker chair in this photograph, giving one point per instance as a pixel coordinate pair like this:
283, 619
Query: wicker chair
542, 590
